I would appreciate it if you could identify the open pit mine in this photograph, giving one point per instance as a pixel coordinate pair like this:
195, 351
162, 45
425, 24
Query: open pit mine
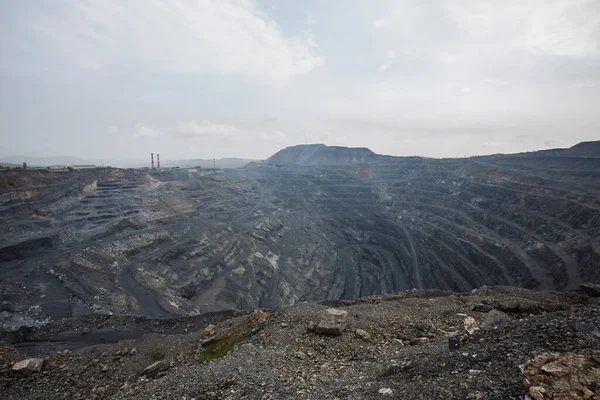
310, 223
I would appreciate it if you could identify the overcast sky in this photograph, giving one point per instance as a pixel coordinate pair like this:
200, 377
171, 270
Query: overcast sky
216, 78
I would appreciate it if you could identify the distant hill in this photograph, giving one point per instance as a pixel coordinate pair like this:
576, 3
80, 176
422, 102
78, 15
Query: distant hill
320, 154
44, 161
583, 149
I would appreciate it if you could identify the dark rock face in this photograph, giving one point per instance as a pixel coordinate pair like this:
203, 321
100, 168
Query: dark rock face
334, 223
591, 289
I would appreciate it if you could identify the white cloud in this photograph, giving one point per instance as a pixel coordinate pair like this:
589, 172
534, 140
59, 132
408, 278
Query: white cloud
563, 28
384, 67
273, 136
232, 38
113, 130
586, 84
567, 28
142, 130
380, 23
389, 58
204, 128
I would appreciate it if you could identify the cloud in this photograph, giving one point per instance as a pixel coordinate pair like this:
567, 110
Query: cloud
190, 129
568, 28
142, 130
230, 38
586, 84
389, 58
113, 130
273, 136
380, 23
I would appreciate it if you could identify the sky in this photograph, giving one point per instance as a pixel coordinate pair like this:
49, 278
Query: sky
117, 79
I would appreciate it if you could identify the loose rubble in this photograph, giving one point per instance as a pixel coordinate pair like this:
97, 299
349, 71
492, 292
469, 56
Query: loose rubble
417, 348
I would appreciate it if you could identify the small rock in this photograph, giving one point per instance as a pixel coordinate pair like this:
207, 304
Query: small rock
209, 328
311, 326
470, 325
301, 355
364, 335
591, 289
29, 365
476, 396
133, 351
386, 391
480, 307
453, 343
418, 341
85, 331
333, 322
537, 393
155, 369
284, 325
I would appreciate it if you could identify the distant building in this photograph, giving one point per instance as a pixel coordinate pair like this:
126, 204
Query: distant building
83, 166
24, 165
57, 167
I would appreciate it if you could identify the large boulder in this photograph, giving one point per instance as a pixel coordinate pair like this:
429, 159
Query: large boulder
333, 322
29, 365
591, 289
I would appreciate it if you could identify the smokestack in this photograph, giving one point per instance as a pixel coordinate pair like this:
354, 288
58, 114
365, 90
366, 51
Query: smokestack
158, 160
152, 158
24, 165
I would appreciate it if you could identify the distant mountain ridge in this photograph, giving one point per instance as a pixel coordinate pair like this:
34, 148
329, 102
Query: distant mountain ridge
320, 154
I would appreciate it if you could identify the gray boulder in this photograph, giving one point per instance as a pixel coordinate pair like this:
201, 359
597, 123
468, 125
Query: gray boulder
495, 318
333, 322
154, 369
29, 365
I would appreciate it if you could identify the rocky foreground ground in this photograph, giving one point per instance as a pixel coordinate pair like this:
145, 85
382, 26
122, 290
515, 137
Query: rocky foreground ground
494, 343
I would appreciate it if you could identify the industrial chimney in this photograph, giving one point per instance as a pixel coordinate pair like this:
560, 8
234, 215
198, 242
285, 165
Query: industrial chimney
158, 160
152, 159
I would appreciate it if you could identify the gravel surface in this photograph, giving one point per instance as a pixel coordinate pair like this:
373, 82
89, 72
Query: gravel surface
405, 354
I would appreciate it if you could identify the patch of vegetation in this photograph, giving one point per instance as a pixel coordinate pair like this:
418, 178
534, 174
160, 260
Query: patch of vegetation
220, 346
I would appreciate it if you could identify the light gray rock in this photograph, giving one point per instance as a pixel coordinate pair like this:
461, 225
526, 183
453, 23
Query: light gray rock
154, 369
495, 318
333, 322
364, 335
29, 365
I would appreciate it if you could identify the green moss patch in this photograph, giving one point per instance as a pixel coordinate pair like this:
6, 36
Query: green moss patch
224, 341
